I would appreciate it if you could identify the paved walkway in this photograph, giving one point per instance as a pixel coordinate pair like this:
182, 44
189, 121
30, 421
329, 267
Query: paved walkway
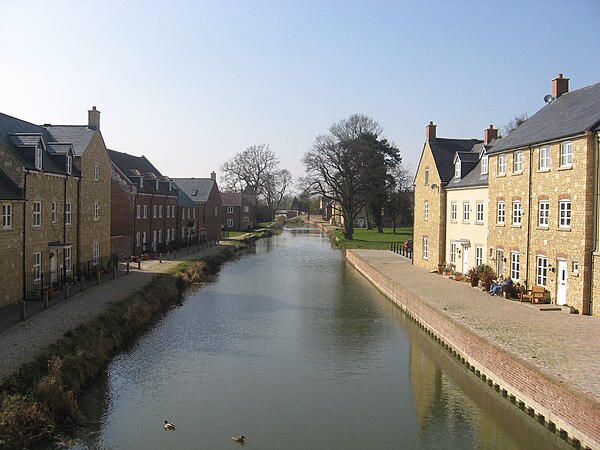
20, 340
562, 345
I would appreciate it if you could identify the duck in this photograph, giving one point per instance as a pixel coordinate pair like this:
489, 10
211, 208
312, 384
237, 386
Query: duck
239, 439
169, 425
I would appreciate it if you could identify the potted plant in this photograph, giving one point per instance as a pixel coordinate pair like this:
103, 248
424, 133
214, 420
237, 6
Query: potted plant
473, 276
487, 275
457, 276
448, 269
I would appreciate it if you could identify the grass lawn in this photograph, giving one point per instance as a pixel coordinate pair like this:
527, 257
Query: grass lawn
364, 238
232, 233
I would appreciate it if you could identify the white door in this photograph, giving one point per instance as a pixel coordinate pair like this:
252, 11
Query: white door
53, 273
561, 288
465, 260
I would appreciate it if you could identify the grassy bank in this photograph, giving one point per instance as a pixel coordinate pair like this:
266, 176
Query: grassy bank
39, 402
370, 239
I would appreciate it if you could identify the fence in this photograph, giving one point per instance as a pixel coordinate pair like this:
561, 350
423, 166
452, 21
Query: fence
398, 247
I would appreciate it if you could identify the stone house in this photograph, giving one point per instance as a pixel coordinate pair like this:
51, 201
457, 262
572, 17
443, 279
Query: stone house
205, 194
145, 210
435, 170
543, 185
238, 211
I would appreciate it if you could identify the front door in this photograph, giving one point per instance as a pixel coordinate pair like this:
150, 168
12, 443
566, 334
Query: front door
465, 260
561, 288
53, 272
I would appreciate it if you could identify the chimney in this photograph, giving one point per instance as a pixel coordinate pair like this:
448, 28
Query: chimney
430, 132
213, 176
560, 86
489, 134
94, 119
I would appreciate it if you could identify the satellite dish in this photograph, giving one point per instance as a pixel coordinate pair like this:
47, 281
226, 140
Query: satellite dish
548, 98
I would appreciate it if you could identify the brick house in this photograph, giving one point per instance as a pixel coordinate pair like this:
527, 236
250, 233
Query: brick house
435, 170
145, 209
543, 186
238, 211
205, 194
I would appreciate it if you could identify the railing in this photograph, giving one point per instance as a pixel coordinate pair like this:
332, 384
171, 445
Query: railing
398, 247
36, 283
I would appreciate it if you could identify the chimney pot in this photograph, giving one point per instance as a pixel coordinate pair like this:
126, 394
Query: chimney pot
560, 86
489, 134
430, 131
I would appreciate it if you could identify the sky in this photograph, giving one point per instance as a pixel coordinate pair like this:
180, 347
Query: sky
189, 84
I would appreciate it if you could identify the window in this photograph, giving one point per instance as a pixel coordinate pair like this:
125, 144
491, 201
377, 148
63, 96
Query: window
7, 215
543, 213
484, 165
53, 215
145, 211
95, 253
230, 210
229, 223
96, 211
69, 165
518, 162
541, 271
426, 211
501, 213
564, 214
193, 213
246, 209
138, 211
425, 248
154, 211
189, 213
144, 238
453, 252
245, 219
67, 254
216, 211
37, 214
160, 211
479, 212
466, 212
516, 212
566, 154
514, 265
37, 266
501, 164
426, 177
168, 212
68, 213
38, 158
138, 241
457, 169
453, 211
97, 172
545, 158
182, 213
160, 236
478, 256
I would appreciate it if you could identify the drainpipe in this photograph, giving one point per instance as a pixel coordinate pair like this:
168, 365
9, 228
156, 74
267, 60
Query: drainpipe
24, 232
529, 181
63, 216
78, 227
135, 204
595, 249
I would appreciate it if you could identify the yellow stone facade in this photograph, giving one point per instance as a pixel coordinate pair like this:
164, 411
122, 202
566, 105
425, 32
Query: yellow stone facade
11, 257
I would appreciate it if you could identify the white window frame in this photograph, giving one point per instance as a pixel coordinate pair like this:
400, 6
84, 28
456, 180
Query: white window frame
479, 212
246, 209
478, 255
145, 210
37, 214
160, 236
96, 211
230, 210
564, 213
457, 169
245, 219
138, 239
69, 165
545, 157
216, 211
138, 211
426, 211
566, 154
466, 211
68, 213
53, 212
183, 213
515, 265
453, 211
501, 164
144, 238
518, 162
544, 214
67, 256
97, 173
95, 253
453, 252
37, 266
7, 216
154, 211
425, 248
38, 158
575, 267
541, 270
500, 212
160, 211
517, 213
484, 165
229, 223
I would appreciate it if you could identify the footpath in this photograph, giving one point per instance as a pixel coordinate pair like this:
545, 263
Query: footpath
21, 341
547, 362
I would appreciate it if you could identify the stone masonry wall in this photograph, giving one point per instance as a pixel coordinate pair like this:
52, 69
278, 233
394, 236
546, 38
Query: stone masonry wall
11, 256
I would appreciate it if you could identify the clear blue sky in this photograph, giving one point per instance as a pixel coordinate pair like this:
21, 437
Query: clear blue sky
189, 84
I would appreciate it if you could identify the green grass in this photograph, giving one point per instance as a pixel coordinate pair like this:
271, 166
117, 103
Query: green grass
233, 233
364, 238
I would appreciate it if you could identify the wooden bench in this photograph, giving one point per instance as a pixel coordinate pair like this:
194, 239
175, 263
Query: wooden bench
535, 295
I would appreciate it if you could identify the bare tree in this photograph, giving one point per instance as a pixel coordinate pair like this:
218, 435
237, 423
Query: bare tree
514, 123
275, 188
343, 165
249, 170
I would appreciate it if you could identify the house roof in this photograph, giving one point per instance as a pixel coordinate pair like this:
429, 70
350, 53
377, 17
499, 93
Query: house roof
444, 149
8, 189
231, 199
136, 167
184, 200
570, 114
78, 135
198, 189
250, 198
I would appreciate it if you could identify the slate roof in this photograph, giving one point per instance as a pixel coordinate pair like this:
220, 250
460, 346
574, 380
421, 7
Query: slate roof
231, 199
444, 149
8, 189
134, 167
471, 176
184, 200
570, 114
198, 189
78, 135
250, 199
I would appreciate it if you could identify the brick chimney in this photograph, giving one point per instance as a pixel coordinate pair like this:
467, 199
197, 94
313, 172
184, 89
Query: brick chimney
560, 86
94, 119
213, 176
430, 132
489, 134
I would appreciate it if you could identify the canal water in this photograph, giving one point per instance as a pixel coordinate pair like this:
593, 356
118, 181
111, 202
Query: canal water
295, 350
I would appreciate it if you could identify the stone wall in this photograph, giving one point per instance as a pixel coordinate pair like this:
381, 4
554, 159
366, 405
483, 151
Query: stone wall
11, 260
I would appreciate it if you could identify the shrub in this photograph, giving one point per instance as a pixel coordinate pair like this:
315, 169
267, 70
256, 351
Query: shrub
487, 275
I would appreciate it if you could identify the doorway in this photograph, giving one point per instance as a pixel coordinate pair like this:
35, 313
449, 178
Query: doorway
465, 260
561, 288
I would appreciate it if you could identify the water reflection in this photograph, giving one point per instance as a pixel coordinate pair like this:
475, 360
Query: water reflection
295, 350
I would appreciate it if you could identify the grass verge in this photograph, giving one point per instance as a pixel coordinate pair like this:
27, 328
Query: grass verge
370, 239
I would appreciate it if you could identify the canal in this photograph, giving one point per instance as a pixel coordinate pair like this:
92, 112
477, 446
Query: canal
295, 350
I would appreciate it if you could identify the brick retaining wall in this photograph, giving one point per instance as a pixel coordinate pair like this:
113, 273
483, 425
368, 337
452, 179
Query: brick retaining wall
550, 401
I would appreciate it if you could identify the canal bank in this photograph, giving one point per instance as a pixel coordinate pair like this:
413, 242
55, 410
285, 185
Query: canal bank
547, 363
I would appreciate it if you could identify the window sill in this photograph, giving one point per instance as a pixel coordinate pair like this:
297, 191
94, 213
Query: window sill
500, 175
563, 229
516, 226
465, 222
500, 225
479, 223
543, 170
542, 227
520, 172
560, 168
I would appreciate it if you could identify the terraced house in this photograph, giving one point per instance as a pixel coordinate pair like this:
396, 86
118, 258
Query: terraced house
55, 204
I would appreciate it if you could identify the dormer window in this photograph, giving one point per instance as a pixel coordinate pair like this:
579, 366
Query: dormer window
38, 158
157, 184
69, 166
484, 165
141, 182
457, 169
